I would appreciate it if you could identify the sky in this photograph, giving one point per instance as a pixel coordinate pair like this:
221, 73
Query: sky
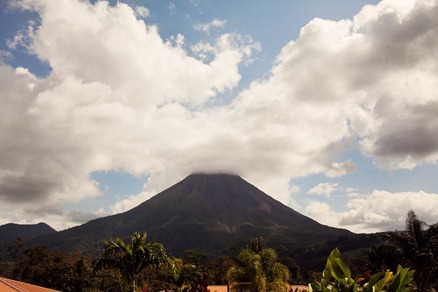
329, 106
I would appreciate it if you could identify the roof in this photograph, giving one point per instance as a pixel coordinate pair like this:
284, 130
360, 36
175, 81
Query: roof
218, 288
8, 285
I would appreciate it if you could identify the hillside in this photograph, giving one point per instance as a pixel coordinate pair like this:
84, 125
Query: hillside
9, 232
210, 213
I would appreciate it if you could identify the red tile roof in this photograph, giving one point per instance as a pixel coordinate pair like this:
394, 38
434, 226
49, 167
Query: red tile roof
8, 285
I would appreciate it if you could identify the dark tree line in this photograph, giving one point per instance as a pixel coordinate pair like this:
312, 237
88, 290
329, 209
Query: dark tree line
47, 268
134, 265
415, 247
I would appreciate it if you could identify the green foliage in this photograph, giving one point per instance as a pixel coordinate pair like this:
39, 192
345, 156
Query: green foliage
217, 269
131, 259
260, 266
418, 245
337, 277
51, 269
188, 274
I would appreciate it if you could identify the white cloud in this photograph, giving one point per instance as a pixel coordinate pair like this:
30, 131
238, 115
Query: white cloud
119, 97
341, 168
324, 189
112, 100
384, 210
207, 51
141, 11
378, 211
130, 202
117, 49
22, 39
207, 27
323, 213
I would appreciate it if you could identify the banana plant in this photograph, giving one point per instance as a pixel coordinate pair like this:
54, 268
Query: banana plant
400, 282
336, 277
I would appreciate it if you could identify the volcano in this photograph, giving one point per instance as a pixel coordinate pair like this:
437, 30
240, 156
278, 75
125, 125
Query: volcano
211, 213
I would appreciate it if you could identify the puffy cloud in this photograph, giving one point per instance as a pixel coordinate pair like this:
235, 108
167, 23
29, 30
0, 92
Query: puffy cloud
119, 97
113, 100
322, 212
384, 210
378, 72
404, 69
130, 202
341, 168
325, 189
378, 211
141, 11
110, 46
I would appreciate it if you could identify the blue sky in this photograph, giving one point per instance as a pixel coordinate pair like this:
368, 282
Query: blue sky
330, 107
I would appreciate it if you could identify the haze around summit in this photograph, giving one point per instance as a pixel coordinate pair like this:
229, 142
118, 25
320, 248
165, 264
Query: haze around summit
330, 107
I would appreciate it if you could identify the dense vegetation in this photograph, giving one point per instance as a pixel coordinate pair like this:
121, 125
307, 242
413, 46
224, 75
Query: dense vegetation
261, 267
129, 260
337, 277
135, 265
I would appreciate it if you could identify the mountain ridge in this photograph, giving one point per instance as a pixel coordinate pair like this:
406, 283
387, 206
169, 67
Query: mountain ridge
11, 231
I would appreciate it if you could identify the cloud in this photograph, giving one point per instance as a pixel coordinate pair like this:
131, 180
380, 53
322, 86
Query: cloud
404, 104
113, 99
325, 189
82, 216
23, 38
409, 139
141, 11
206, 27
5, 55
119, 97
378, 211
130, 202
323, 213
341, 168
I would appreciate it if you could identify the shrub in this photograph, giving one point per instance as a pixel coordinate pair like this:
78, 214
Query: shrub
336, 277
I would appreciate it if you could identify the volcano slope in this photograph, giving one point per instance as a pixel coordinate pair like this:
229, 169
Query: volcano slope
211, 213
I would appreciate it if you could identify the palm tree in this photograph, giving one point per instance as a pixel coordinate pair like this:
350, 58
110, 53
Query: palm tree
260, 266
131, 259
419, 246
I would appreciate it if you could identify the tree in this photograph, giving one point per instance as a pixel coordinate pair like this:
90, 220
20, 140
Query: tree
51, 269
191, 273
217, 269
131, 259
418, 245
260, 266
384, 257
